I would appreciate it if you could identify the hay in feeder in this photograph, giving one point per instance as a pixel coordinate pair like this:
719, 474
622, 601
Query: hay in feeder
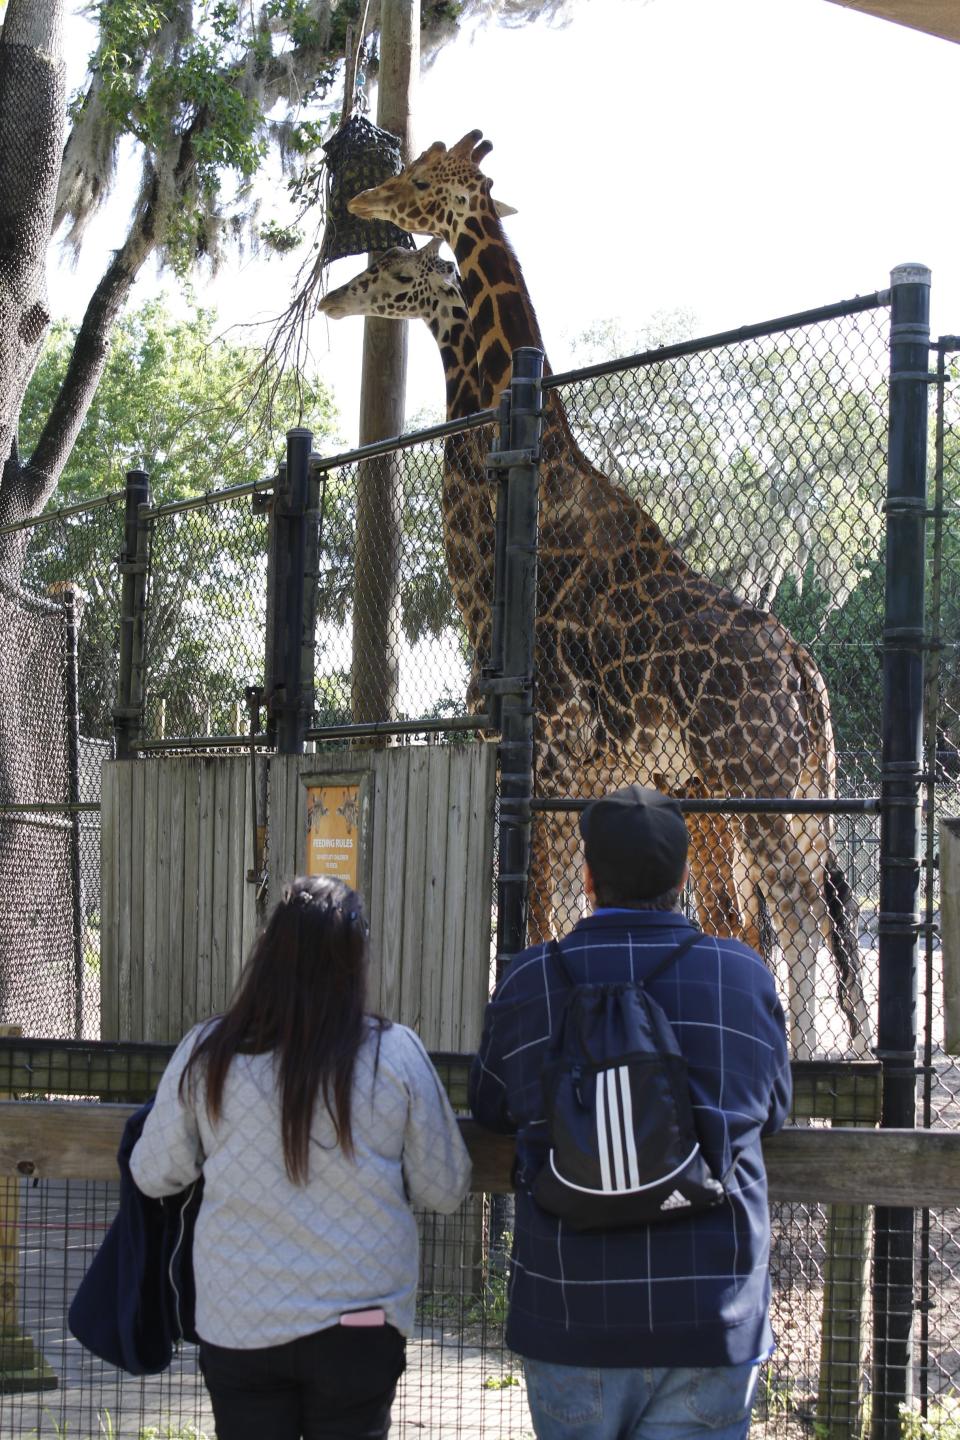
359, 156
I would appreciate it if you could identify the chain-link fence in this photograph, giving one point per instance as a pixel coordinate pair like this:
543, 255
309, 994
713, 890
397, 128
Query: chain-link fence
937, 1242
710, 619
58, 597
405, 586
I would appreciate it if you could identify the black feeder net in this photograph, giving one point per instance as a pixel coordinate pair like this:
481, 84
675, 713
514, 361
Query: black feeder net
359, 156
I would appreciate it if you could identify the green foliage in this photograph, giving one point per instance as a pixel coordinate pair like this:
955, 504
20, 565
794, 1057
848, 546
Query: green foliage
501, 1382
196, 87
942, 1421
170, 1432
173, 401
106, 1430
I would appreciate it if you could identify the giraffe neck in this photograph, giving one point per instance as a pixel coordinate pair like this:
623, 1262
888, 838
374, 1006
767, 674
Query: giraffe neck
494, 288
454, 336
466, 496
504, 319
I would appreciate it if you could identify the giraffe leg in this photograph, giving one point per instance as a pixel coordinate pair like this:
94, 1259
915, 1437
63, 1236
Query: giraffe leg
540, 888
726, 902
790, 866
798, 917
555, 893
812, 839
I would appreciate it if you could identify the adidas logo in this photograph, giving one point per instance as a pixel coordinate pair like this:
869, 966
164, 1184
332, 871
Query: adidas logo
675, 1201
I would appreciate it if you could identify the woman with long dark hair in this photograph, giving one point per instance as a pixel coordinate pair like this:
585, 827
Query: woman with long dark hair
316, 1127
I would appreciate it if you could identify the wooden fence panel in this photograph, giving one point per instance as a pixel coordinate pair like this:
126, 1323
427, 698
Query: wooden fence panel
429, 874
179, 911
912, 1168
177, 919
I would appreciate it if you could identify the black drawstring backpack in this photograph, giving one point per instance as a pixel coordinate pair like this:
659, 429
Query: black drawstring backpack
624, 1147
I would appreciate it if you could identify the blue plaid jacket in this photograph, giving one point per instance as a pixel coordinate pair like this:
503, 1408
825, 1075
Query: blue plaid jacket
690, 1291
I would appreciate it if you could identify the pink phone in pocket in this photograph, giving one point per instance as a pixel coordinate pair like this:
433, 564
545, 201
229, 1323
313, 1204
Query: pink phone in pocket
364, 1317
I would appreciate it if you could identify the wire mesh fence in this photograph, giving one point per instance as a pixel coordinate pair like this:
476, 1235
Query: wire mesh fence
710, 620
206, 616
58, 594
710, 617
938, 1089
461, 1379
416, 580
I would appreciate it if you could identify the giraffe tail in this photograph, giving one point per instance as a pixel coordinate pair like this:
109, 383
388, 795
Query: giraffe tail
845, 944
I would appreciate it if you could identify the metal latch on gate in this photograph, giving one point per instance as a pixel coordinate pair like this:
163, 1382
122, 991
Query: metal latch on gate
504, 459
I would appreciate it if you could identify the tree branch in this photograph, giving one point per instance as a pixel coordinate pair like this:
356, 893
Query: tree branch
163, 186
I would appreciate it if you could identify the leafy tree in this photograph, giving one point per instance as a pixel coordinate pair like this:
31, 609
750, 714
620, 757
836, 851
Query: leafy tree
205, 90
171, 401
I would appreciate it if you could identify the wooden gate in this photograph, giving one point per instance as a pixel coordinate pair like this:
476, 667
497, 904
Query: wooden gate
179, 911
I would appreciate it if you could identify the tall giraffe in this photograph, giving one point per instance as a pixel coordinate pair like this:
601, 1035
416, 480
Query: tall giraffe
644, 665
404, 285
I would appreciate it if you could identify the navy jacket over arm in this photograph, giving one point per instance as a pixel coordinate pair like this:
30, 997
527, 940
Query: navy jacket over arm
690, 1291
136, 1301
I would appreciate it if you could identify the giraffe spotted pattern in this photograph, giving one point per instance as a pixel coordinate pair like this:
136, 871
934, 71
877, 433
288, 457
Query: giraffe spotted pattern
647, 670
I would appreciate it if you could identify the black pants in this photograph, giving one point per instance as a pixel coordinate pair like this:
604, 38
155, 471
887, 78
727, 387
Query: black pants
337, 1384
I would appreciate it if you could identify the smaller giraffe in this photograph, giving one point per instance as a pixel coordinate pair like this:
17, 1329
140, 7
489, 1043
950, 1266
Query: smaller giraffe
408, 284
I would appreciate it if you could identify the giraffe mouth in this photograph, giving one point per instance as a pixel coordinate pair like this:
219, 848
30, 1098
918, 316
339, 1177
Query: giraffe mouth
360, 206
333, 305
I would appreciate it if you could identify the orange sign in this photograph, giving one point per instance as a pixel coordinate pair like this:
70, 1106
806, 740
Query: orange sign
333, 831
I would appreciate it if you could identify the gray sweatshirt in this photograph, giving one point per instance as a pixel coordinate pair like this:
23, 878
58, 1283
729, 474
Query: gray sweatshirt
274, 1260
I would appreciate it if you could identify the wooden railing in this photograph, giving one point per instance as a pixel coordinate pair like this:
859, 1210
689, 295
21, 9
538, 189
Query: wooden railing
832, 1154
841, 1165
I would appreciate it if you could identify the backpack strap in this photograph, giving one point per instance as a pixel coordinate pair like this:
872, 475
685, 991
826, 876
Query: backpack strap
557, 954
687, 943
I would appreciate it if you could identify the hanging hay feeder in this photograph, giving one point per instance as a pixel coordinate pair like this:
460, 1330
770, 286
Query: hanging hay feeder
359, 156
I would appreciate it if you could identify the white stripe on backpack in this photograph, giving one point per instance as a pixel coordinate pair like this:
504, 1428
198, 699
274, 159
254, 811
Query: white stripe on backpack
619, 1169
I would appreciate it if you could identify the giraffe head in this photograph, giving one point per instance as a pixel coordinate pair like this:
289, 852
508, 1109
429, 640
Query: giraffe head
436, 192
401, 285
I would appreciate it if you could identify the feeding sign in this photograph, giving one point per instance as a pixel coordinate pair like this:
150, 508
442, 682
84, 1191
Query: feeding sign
333, 832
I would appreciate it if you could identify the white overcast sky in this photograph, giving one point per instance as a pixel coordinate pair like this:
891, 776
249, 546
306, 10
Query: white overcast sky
739, 159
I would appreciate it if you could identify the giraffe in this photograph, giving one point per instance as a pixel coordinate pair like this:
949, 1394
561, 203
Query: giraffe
643, 665
404, 285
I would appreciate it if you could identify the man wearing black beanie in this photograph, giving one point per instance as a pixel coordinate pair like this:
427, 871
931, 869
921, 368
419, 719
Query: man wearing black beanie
658, 1329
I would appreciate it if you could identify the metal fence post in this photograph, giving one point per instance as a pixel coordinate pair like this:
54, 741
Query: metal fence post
902, 739
132, 565
69, 596
521, 461
292, 604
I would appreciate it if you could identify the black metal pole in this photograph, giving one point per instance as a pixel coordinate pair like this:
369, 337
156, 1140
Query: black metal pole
125, 712
902, 740
521, 460
285, 700
493, 663
73, 787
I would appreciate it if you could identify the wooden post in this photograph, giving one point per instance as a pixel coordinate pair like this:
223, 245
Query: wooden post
21, 1367
846, 1288
950, 932
376, 598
